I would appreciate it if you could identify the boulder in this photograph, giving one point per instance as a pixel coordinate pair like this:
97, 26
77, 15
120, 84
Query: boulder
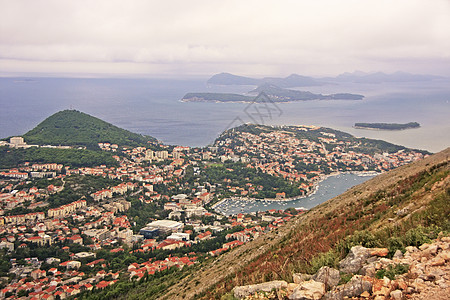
308, 290
354, 260
445, 255
354, 288
411, 249
328, 276
437, 262
396, 295
429, 251
379, 251
365, 294
246, 290
398, 254
368, 270
300, 277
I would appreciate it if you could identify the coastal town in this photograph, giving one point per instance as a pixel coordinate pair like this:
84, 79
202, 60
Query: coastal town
67, 230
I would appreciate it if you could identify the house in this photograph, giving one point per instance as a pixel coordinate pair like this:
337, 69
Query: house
71, 264
76, 239
203, 236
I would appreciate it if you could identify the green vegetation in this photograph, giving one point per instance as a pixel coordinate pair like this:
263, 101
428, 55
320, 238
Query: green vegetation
387, 126
390, 272
74, 128
237, 174
11, 158
78, 186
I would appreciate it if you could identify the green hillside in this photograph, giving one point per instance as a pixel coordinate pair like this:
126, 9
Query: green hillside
74, 128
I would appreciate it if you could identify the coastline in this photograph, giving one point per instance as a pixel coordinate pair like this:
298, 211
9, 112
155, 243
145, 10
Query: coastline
310, 193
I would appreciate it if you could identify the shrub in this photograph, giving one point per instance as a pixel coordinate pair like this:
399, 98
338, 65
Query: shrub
390, 272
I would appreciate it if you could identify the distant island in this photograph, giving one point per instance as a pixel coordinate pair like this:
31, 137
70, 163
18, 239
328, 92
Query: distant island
295, 80
387, 126
275, 94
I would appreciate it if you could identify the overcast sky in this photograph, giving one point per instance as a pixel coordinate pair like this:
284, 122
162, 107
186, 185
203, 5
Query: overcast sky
255, 38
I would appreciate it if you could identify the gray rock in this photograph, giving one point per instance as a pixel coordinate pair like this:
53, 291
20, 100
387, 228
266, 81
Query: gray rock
402, 212
368, 270
335, 294
300, 277
411, 249
398, 254
356, 286
354, 260
328, 276
396, 295
246, 290
308, 290
372, 259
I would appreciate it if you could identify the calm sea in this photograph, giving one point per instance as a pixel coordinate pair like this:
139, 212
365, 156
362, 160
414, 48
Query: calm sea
152, 107
327, 189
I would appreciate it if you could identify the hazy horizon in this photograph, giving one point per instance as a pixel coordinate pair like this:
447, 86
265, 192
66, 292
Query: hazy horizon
150, 39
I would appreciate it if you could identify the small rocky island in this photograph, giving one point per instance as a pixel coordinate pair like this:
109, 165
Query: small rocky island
387, 126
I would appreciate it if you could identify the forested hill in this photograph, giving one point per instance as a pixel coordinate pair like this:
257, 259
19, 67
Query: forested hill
74, 128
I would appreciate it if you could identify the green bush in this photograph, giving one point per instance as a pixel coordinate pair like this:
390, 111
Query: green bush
391, 272
330, 259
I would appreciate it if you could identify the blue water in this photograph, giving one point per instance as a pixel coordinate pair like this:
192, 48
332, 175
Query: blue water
329, 188
152, 106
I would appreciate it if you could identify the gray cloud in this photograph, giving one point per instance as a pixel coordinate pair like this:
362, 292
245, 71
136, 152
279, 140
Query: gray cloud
204, 37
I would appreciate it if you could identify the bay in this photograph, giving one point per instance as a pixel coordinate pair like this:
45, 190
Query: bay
329, 188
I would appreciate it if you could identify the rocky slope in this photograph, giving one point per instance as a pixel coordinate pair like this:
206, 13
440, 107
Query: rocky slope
403, 207
419, 273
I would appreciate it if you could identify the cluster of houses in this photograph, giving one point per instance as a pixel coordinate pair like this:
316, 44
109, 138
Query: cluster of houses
279, 152
99, 220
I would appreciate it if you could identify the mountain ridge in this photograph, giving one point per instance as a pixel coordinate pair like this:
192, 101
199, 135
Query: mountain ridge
296, 80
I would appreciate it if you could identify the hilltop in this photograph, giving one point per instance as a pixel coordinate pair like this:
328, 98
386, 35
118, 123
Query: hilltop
74, 128
404, 207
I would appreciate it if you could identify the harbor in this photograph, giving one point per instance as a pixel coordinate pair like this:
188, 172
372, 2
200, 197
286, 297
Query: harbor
329, 187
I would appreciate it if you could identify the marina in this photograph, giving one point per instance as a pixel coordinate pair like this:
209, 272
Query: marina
330, 187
